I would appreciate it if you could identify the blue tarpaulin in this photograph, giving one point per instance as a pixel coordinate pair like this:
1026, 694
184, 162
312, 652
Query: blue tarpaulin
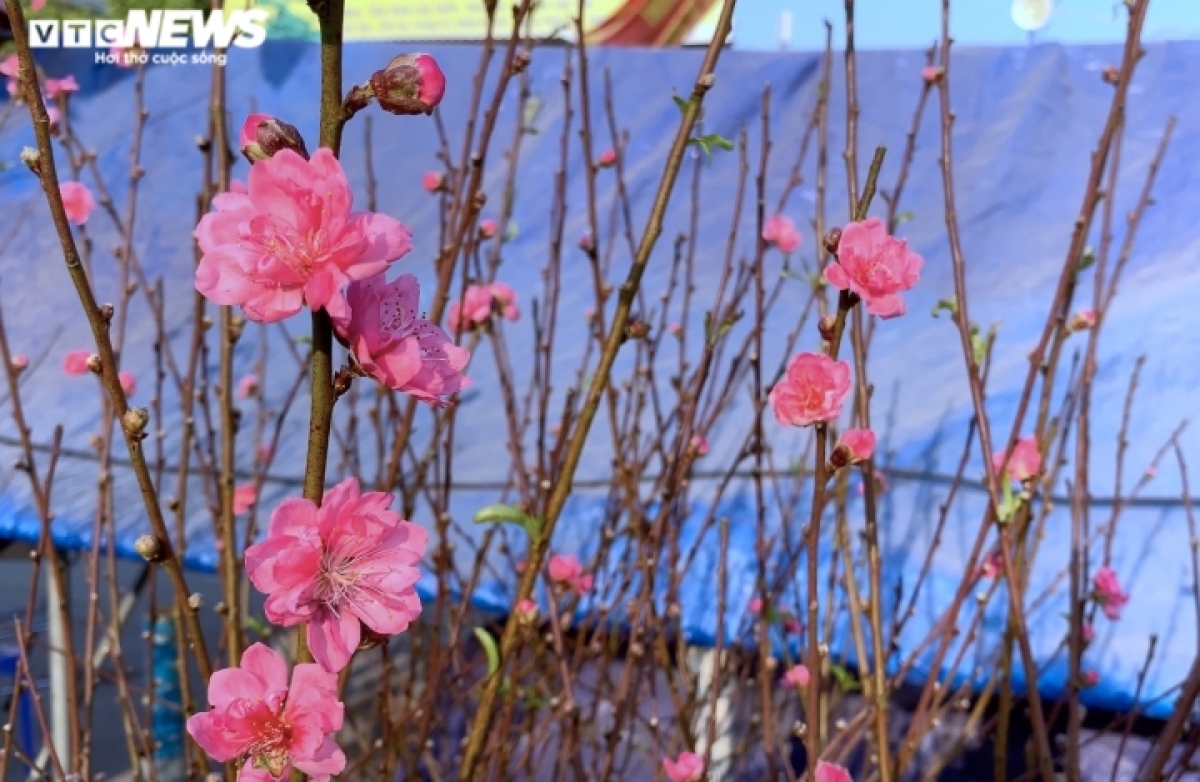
1026, 122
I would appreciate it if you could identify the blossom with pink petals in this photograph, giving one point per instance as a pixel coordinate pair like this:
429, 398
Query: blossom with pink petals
1108, 594
263, 136
566, 570
831, 772
128, 383
1083, 320
688, 767
37, 5
479, 303
76, 362
1091, 678
856, 445
19, 362
396, 346
256, 716
10, 66
350, 562
1025, 463
797, 676
488, 228
63, 86
409, 84
811, 391
699, 445
247, 386
755, 606
793, 626
932, 74
244, 496
992, 566
607, 159
781, 232
586, 243
292, 240
876, 266
527, 610
432, 181
77, 201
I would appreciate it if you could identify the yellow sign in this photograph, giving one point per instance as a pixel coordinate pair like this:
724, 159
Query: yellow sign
614, 22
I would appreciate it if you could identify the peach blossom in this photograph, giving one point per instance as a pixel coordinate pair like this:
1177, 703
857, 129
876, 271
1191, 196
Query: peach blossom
19, 362
781, 232
607, 159
432, 181
244, 496
755, 606
247, 386
932, 74
76, 362
128, 383
63, 86
586, 243
875, 266
488, 228
527, 609
566, 570
1025, 463
856, 445
831, 772
688, 767
1108, 592
812, 390
1083, 320
77, 201
699, 445
796, 676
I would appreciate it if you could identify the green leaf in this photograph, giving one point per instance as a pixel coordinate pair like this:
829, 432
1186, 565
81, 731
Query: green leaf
681, 103
489, 648
1086, 260
845, 679
507, 514
510, 232
258, 626
727, 325
979, 345
946, 305
710, 140
904, 217
1008, 505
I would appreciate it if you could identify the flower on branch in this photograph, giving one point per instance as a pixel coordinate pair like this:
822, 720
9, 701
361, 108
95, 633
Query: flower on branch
397, 347
1108, 594
567, 571
262, 136
796, 677
410, 84
781, 232
257, 717
856, 445
244, 497
348, 563
63, 86
78, 201
688, 767
128, 383
76, 362
811, 391
1025, 463
831, 772
432, 181
291, 240
480, 303
875, 266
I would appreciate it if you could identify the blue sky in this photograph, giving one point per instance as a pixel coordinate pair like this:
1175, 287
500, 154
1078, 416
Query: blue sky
893, 24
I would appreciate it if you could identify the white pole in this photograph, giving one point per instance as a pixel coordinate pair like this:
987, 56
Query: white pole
60, 718
704, 665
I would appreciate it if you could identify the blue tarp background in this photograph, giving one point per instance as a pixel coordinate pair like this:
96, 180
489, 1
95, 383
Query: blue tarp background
1027, 120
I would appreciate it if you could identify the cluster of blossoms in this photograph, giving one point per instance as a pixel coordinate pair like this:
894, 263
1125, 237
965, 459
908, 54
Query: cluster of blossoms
52, 89
480, 303
689, 767
345, 568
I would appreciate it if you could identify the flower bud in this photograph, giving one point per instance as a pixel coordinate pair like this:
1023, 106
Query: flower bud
32, 160
18, 363
1110, 74
1082, 321
135, 419
607, 159
932, 74
856, 446
410, 84
432, 181
637, 329
488, 228
526, 611
826, 325
833, 237
586, 243
263, 135
149, 548
93, 363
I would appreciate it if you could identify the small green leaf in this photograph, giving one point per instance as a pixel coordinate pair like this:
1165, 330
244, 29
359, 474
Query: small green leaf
1086, 260
510, 232
710, 140
845, 679
708, 329
727, 325
258, 626
1008, 505
979, 345
680, 103
904, 217
946, 305
489, 648
507, 514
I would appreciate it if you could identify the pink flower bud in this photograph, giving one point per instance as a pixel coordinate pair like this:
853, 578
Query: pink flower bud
1107, 593
263, 135
247, 387
1082, 320
675, 329
856, 445
410, 84
1110, 74
932, 74
56, 87
78, 201
781, 232
699, 445
607, 159
1087, 632
1026, 460
128, 383
755, 606
527, 610
688, 767
432, 181
1091, 678
585, 243
797, 676
488, 228
19, 362
831, 772
244, 497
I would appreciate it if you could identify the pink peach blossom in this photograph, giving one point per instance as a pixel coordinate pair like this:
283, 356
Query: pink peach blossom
1108, 592
10, 66
56, 87
397, 347
796, 676
566, 570
755, 606
607, 158
255, 716
432, 181
238, 186
1083, 320
247, 386
37, 5
19, 362
128, 383
875, 266
77, 201
348, 563
409, 84
856, 445
506, 300
831, 772
675, 329
1091, 678
586, 243
1087, 632
1025, 463
932, 73
76, 362
265, 452
688, 767
244, 496
781, 232
699, 445
292, 240
488, 228
527, 609
474, 310
992, 566
812, 390
52, 115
